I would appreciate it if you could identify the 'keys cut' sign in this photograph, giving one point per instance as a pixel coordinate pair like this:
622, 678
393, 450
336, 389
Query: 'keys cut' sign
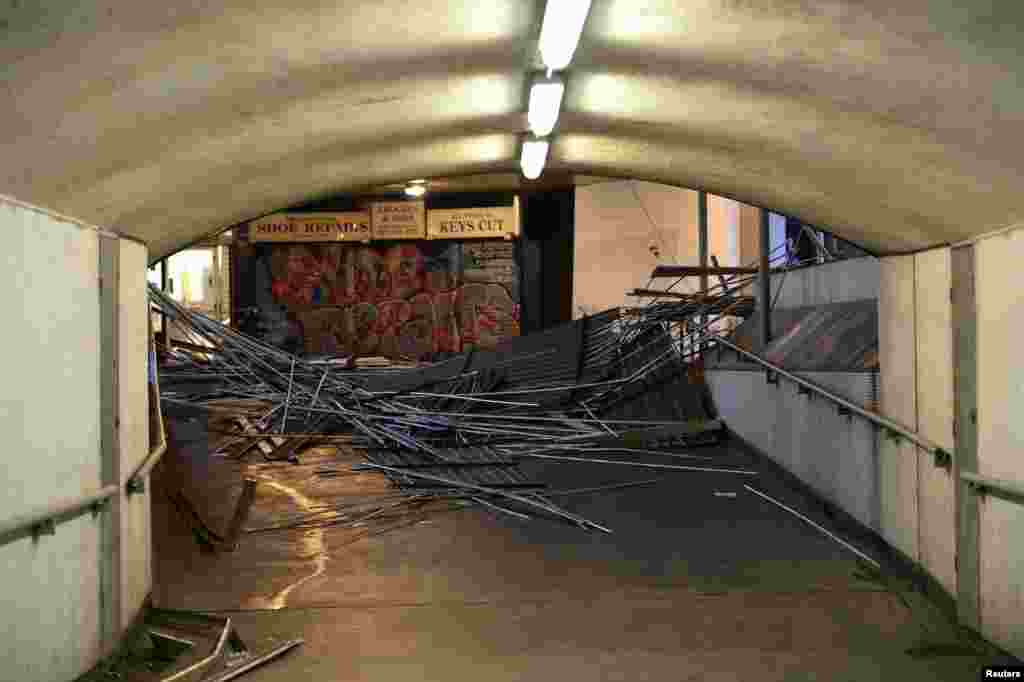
474, 223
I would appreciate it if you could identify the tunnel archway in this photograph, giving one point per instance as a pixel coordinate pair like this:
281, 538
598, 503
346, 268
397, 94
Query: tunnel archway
896, 126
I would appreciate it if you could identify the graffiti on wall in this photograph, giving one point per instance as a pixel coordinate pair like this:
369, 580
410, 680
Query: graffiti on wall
408, 300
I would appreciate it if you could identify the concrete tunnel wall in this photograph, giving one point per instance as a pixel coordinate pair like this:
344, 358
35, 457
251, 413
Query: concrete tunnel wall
797, 431
134, 440
58, 618
892, 487
52, 421
1000, 435
617, 221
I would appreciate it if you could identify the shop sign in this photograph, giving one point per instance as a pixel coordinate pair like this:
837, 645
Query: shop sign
311, 227
473, 223
398, 220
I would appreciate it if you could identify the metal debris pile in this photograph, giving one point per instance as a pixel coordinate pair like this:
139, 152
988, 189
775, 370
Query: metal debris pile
467, 429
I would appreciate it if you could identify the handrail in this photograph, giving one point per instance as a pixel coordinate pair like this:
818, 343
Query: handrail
44, 521
942, 456
1011, 491
136, 482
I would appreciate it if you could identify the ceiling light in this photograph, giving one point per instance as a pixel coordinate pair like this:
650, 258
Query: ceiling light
561, 30
415, 190
418, 181
545, 101
535, 153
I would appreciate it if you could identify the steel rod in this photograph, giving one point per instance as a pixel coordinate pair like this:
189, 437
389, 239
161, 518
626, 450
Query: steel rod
562, 448
603, 488
210, 658
495, 491
499, 508
255, 661
663, 271
678, 467
288, 399
800, 516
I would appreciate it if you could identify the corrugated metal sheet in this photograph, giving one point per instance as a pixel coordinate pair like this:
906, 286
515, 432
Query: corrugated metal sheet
583, 351
475, 465
839, 337
854, 279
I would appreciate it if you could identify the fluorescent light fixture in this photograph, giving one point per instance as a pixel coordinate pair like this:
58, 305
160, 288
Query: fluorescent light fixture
418, 181
415, 190
545, 101
561, 30
535, 153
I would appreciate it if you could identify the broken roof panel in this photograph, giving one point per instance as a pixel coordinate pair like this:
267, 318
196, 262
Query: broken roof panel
841, 337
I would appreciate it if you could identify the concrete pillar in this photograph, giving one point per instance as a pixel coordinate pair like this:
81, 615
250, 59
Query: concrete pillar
110, 444
764, 280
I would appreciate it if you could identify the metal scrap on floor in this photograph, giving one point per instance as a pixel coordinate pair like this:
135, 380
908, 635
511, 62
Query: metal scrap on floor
465, 430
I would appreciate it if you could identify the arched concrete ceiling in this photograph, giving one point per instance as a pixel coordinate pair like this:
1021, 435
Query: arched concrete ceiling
896, 124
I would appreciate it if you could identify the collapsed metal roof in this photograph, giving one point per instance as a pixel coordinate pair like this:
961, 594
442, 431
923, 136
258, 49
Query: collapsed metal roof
895, 124
840, 337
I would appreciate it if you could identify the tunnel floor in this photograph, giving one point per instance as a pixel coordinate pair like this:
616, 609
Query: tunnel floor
692, 585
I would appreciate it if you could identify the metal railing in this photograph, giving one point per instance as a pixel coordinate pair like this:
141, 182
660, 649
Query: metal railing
44, 521
137, 481
943, 458
1011, 491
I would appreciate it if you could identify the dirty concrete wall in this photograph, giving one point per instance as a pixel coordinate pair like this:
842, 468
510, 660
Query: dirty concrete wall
916, 363
890, 486
616, 223
833, 454
133, 406
897, 358
920, 499
855, 279
724, 227
50, 627
933, 318
836, 456
905, 496
58, 612
1000, 434
749, 243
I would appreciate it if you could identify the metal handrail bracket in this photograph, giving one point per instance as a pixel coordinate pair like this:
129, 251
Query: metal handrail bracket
44, 521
